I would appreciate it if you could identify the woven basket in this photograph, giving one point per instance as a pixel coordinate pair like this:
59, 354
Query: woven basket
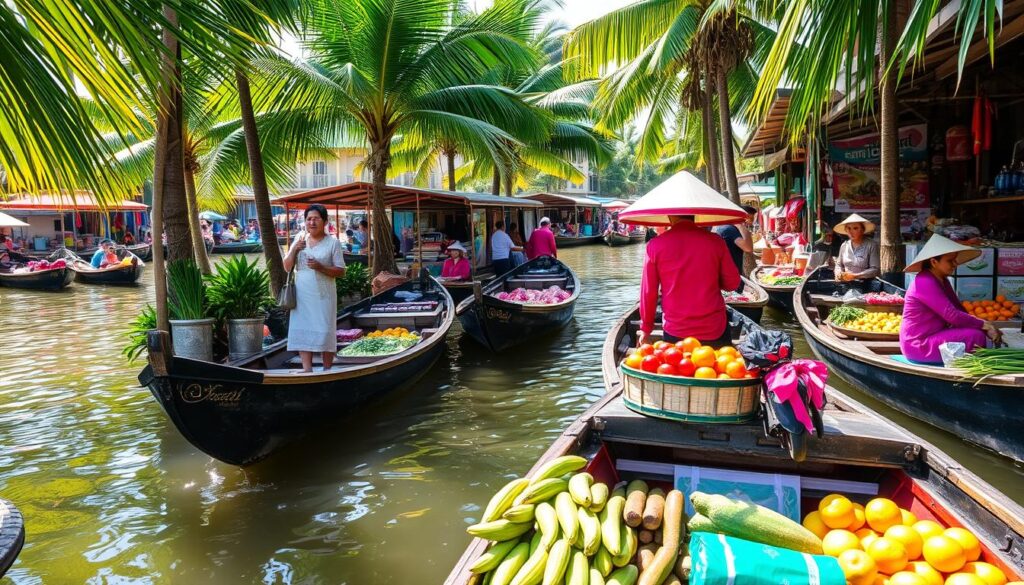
695, 400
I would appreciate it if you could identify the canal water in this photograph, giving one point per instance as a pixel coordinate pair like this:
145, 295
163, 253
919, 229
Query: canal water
112, 494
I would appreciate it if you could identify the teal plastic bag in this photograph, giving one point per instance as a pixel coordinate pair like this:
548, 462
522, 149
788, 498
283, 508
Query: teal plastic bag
717, 559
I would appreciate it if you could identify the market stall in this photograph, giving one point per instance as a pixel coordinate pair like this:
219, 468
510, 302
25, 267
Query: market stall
74, 221
575, 220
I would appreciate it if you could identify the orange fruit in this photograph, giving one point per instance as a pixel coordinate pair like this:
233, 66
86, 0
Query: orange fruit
944, 553
908, 537
907, 578
690, 344
724, 376
858, 566
1000, 298
736, 369
705, 372
881, 513
909, 519
972, 548
703, 357
964, 579
722, 362
858, 518
634, 360
990, 574
889, 555
922, 568
866, 535
928, 528
836, 512
838, 541
813, 523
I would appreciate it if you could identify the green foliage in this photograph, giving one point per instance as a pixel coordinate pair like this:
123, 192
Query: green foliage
144, 322
238, 289
355, 282
186, 291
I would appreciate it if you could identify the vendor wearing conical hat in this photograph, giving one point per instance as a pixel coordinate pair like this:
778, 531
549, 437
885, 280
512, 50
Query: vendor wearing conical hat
858, 256
932, 313
456, 267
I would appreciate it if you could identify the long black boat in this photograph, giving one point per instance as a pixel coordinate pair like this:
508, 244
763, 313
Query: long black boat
572, 241
614, 239
237, 248
241, 412
498, 324
866, 452
985, 413
143, 251
49, 279
12, 535
119, 274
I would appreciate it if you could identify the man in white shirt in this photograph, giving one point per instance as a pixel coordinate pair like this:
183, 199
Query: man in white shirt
501, 248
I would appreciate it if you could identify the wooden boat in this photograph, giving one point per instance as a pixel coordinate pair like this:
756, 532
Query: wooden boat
499, 324
986, 414
857, 446
779, 295
143, 251
12, 535
237, 248
754, 308
617, 239
638, 237
572, 241
351, 258
121, 274
242, 411
50, 279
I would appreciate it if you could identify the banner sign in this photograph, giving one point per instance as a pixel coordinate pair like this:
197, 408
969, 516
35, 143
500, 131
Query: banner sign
856, 168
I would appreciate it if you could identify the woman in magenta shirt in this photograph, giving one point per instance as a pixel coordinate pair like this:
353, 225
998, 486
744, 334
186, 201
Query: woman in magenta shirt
932, 313
456, 267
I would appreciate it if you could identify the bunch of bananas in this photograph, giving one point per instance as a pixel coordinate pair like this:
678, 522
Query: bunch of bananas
399, 332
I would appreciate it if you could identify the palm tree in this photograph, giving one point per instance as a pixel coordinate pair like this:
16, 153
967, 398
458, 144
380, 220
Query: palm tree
389, 68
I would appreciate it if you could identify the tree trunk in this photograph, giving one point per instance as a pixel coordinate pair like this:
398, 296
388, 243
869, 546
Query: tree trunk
496, 181
508, 186
889, 134
449, 156
713, 163
261, 195
159, 166
383, 257
728, 162
176, 222
194, 230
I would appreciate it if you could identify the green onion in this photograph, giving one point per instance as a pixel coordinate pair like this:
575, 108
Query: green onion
991, 362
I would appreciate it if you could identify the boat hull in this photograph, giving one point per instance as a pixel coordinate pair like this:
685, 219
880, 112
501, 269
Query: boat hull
56, 279
143, 251
122, 275
570, 242
616, 239
237, 248
12, 535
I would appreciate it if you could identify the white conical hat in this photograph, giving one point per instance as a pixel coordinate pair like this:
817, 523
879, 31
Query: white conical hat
940, 246
854, 218
457, 246
683, 194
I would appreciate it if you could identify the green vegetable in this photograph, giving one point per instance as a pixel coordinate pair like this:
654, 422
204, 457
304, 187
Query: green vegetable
991, 362
841, 315
374, 346
755, 523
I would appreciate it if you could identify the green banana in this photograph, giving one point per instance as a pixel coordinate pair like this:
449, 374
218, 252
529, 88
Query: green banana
547, 519
579, 489
558, 467
598, 497
611, 524
596, 578
498, 530
493, 556
520, 513
567, 517
510, 566
558, 561
603, 561
625, 576
502, 500
542, 490
578, 572
532, 570
629, 545
535, 542
590, 526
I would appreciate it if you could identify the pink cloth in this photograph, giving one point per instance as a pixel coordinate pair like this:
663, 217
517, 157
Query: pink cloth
452, 270
783, 381
932, 315
691, 267
542, 243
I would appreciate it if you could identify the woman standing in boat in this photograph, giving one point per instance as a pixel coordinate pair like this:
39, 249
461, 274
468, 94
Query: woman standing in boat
858, 256
932, 313
317, 258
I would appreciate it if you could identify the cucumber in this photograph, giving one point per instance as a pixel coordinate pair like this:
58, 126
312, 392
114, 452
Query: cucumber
755, 523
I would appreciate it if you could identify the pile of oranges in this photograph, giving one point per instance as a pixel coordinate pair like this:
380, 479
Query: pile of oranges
689, 358
883, 544
997, 310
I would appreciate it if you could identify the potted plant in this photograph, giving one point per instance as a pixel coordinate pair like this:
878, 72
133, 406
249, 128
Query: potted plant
354, 286
239, 292
191, 329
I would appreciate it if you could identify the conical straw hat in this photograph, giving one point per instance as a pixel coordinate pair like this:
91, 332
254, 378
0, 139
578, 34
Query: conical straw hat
940, 246
683, 194
841, 226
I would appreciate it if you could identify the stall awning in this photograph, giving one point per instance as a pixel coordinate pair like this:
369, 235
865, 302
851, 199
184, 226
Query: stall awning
561, 200
66, 202
767, 136
616, 205
356, 195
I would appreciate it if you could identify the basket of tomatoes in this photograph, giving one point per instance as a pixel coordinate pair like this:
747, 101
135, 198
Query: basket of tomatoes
690, 382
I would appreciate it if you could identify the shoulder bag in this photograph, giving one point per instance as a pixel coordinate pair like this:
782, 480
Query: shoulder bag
286, 299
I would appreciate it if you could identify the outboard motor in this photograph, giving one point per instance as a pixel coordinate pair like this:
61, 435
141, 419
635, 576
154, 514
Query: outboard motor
793, 390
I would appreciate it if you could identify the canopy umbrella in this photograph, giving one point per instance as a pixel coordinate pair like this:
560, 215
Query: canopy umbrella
8, 221
682, 194
212, 216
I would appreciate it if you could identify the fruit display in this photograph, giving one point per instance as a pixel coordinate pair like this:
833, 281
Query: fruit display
999, 309
881, 543
882, 298
380, 345
781, 276
399, 332
528, 296
735, 297
689, 359
40, 265
867, 321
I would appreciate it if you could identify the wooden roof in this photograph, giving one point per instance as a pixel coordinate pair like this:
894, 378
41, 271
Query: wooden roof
560, 200
57, 203
767, 136
356, 195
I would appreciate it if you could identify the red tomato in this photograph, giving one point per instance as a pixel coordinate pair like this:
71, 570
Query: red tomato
646, 349
672, 356
686, 367
658, 353
650, 364
681, 346
668, 370
661, 345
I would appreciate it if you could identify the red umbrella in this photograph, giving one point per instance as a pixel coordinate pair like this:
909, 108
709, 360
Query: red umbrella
683, 194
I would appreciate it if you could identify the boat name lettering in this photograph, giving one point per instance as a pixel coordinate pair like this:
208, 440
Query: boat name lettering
499, 314
193, 393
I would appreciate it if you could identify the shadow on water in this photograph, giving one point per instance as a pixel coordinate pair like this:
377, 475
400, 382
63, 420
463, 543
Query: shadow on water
112, 493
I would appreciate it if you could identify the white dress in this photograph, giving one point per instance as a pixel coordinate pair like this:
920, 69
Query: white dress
313, 322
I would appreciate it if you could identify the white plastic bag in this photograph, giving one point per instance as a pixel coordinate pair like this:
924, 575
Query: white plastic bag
952, 350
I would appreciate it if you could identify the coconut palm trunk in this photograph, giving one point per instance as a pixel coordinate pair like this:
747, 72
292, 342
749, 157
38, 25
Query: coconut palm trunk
260, 192
175, 204
496, 181
195, 230
383, 249
159, 165
728, 161
890, 233
449, 158
714, 164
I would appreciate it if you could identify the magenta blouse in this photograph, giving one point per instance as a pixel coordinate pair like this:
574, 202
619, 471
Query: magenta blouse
932, 315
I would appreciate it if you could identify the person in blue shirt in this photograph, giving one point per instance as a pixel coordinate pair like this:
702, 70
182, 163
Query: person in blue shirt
737, 239
502, 247
101, 258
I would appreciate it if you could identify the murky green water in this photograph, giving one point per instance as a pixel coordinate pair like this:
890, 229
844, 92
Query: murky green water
112, 494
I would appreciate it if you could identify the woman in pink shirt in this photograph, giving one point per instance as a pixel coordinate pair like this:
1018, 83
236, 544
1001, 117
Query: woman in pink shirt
932, 313
456, 267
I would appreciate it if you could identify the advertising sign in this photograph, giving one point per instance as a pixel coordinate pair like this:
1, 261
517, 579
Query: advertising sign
983, 265
1011, 262
974, 289
1011, 287
856, 168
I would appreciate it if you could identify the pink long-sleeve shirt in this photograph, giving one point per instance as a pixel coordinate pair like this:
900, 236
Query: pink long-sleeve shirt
931, 309
691, 267
542, 243
451, 269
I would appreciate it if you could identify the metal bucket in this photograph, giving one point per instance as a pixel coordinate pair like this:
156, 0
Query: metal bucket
193, 339
245, 337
